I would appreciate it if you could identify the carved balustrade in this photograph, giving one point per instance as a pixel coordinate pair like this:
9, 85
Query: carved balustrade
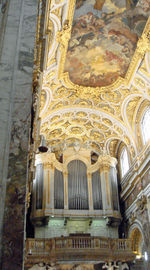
78, 248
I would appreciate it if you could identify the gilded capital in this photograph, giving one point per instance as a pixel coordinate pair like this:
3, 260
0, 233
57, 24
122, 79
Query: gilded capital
65, 174
107, 161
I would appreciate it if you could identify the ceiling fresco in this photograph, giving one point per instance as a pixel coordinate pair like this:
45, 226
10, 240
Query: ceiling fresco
83, 107
103, 39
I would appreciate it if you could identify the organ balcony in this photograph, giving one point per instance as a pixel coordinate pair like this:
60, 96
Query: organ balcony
75, 210
78, 249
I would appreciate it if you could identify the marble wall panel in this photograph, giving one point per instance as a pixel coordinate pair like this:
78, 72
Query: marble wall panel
15, 108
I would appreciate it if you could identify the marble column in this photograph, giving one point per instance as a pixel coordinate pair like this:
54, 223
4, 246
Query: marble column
17, 53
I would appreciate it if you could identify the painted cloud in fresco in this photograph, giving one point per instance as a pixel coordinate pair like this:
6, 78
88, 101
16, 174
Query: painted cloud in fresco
103, 40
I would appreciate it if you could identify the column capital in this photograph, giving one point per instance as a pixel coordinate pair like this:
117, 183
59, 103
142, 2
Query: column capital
45, 158
65, 173
107, 161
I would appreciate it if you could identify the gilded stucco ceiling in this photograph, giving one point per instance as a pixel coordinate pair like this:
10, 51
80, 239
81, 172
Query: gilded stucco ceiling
91, 114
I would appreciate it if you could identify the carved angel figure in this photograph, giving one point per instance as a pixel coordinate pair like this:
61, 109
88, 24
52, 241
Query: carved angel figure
43, 266
110, 266
39, 266
123, 266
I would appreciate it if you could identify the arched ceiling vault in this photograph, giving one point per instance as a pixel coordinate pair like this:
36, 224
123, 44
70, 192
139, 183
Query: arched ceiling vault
95, 113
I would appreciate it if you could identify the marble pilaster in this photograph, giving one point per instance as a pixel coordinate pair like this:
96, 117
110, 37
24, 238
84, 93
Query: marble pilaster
15, 113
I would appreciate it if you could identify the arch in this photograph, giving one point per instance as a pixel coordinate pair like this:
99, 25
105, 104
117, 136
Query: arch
136, 235
124, 161
145, 124
143, 108
77, 156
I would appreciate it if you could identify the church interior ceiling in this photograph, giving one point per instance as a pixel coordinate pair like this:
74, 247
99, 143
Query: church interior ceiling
103, 39
96, 72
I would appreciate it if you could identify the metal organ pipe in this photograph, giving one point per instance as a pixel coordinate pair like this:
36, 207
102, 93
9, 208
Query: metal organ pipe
58, 190
114, 186
73, 186
39, 186
77, 185
97, 192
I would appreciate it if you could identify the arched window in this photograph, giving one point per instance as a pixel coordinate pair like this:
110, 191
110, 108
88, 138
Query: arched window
124, 162
145, 126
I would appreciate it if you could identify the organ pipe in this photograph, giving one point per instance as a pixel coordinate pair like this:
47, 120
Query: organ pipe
96, 190
58, 190
114, 185
39, 186
77, 185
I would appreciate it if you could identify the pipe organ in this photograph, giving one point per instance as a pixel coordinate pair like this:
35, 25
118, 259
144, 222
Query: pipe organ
39, 186
77, 185
58, 189
97, 191
75, 188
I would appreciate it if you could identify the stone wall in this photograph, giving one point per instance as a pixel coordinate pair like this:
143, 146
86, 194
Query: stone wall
56, 228
17, 52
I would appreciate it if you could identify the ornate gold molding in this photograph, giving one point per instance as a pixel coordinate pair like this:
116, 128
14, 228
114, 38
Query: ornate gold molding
107, 161
116, 101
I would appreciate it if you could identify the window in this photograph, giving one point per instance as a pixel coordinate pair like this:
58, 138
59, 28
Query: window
145, 126
124, 162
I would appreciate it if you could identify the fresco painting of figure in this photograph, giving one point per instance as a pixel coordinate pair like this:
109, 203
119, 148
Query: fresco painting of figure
103, 40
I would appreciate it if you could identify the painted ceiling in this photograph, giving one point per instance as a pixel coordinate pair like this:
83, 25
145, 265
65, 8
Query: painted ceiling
103, 39
95, 73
